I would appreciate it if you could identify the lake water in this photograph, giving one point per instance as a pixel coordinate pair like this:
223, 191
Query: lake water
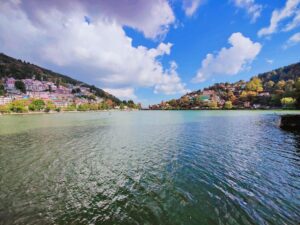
149, 167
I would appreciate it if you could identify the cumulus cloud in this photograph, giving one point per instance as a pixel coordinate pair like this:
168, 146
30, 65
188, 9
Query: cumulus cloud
229, 61
293, 40
171, 84
90, 40
253, 9
123, 93
291, 9
153, 18
191, 6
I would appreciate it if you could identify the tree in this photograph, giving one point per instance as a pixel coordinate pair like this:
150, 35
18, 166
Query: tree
270, 84
83, 107
19, 106
228, 105
20, 85
254, 85
49, 106
2, 92
213, 105
37, 105
4, 109
288, 102
110, 103
280, 85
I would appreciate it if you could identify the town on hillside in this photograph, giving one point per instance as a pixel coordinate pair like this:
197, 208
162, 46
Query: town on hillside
262, 92
23, 95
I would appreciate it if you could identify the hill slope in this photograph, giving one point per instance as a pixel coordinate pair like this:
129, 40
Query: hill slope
274, 89
18, 69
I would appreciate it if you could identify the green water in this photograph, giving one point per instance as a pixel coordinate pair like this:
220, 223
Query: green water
149, 167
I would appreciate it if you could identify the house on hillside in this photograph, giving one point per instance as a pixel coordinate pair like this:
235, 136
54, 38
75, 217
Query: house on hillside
10, 84
5, 100
264, 94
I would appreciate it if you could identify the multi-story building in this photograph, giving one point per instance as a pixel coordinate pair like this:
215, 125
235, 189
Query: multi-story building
5, 100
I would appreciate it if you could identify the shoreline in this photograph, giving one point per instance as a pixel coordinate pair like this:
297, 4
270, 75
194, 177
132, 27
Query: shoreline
134, 110
61, 112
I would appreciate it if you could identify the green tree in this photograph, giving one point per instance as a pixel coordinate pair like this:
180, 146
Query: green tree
228, 105
71, 107
37, 105
19, 106
83, 107
20, 85
49, 106
288, 102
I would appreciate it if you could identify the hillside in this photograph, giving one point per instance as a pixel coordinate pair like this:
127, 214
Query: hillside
279, 88
18, 69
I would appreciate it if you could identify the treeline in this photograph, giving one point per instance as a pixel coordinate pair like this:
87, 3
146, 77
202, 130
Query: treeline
18, 69
39, 105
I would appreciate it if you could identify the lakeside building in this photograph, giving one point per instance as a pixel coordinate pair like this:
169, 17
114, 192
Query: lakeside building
61, 96
5, 100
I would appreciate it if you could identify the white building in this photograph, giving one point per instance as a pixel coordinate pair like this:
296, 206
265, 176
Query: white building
5, 100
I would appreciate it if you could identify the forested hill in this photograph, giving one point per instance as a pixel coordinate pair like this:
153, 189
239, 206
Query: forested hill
18, 69
291, 72
279, 88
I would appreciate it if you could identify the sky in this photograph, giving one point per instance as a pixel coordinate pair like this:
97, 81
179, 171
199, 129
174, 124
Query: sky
155, 50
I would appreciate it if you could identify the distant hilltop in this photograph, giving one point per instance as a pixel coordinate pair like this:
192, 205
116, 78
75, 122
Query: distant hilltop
279, 88
27, 87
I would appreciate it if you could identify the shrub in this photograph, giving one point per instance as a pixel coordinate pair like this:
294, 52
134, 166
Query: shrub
288, 102
213, 105
83, 107
37, 105
19, 106
70, 108
4, 109
228, 105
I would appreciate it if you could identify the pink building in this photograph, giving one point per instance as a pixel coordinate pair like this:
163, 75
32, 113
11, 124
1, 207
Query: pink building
10, 83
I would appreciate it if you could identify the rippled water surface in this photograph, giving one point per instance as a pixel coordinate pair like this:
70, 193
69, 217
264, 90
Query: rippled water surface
183, 167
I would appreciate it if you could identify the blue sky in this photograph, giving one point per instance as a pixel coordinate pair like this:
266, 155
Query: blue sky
153, 50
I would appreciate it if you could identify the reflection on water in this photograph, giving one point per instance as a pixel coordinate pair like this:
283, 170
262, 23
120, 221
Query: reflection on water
148, 168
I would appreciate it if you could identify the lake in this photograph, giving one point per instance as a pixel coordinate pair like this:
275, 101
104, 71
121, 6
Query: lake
149, 167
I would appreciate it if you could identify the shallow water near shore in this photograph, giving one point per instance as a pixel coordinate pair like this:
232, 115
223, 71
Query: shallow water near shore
149, 167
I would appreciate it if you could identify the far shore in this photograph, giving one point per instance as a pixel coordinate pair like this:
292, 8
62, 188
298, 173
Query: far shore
118, 110
55, 112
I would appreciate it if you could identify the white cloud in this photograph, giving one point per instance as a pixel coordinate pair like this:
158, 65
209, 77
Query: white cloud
191, 6
171, 84
290, 10
293, 40
270, 61
153, 18
253, 9
99, 51
229, 61
294, 23
123, 93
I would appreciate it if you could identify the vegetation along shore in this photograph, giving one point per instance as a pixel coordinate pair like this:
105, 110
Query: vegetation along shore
277, 89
